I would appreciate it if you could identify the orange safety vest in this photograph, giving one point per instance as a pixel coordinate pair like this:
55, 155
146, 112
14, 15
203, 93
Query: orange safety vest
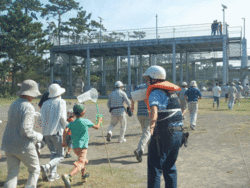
161, 85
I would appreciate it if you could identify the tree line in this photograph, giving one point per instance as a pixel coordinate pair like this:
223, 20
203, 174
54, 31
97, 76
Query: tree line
24, 43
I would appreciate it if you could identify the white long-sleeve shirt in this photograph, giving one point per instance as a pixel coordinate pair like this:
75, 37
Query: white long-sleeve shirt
53, 116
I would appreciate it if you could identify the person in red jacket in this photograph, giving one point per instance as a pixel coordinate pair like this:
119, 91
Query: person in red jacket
71, 118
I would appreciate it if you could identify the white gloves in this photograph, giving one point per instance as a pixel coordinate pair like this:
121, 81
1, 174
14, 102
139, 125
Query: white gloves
37, 114
39, 137
1, 121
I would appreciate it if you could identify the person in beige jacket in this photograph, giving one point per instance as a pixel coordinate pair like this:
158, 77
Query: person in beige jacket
19, 137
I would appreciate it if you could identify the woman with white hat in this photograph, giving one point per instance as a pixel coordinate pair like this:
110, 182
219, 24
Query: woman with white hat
192, 95
19, 136
53, 121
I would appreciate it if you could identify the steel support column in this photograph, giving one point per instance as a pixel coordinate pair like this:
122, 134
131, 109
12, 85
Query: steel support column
224, 60
128, 89
116, 68
88, 71
181, 69
174, 64
215, 70
141, 68
52, 62
187, 69
136, 70
193, 71
119, 66
104, 89
150, 60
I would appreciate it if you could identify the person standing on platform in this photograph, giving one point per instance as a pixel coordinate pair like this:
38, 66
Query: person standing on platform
220, 28
216, 94
183, 102
226, 88
232, 92
19, 136
192, 95
53, 122
118, 113
239, 92
144, 119
246, 91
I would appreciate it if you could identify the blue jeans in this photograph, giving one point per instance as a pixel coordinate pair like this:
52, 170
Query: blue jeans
54, 143
217, 100
163, 162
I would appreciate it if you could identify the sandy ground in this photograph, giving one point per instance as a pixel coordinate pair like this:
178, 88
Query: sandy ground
217, 155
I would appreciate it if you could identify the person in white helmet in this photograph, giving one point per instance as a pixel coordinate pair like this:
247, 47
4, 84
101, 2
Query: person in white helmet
183, 102
115, 103
165, 127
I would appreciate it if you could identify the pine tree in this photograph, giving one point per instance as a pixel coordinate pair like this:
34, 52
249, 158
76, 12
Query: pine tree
24, 61
56, 9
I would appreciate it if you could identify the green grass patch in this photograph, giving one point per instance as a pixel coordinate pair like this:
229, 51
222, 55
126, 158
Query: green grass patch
100, 176
206, 106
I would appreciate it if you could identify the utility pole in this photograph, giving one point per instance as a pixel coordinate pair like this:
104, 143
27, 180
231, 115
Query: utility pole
224, 24
156, 26
244, 26
100, 28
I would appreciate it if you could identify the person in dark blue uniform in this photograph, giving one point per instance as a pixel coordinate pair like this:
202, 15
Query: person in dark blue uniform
165, 127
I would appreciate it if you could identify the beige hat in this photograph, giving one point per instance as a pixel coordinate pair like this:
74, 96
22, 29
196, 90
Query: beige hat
55, 90
29, 88
193, 83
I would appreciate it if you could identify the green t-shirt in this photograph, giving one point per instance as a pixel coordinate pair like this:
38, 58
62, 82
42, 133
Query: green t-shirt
79, 132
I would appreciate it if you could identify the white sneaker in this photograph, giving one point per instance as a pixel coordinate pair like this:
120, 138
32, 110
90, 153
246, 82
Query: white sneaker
53, 178
123, 140
45, 169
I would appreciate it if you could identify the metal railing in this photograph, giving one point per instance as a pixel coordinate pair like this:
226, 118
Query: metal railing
143, 34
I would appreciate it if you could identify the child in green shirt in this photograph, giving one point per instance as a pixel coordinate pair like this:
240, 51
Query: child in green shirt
80, 139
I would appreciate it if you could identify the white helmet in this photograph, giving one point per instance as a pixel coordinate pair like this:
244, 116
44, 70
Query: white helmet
184, 83
156, 72
118, 84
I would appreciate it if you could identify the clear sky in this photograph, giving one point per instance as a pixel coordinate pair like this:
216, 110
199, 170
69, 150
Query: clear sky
132, 14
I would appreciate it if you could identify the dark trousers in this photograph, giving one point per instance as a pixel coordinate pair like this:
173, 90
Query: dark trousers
217, 100
163, 162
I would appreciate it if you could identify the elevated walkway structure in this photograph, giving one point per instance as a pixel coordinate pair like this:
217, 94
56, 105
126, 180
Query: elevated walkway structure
176, 40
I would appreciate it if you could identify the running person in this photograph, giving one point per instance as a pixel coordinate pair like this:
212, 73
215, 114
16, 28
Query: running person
144, 119
183, 102
232, 92
239, 92
165, 127
115, 103
226, 88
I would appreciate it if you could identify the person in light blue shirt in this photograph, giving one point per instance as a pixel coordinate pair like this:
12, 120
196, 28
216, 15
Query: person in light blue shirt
192, 95
165, 127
